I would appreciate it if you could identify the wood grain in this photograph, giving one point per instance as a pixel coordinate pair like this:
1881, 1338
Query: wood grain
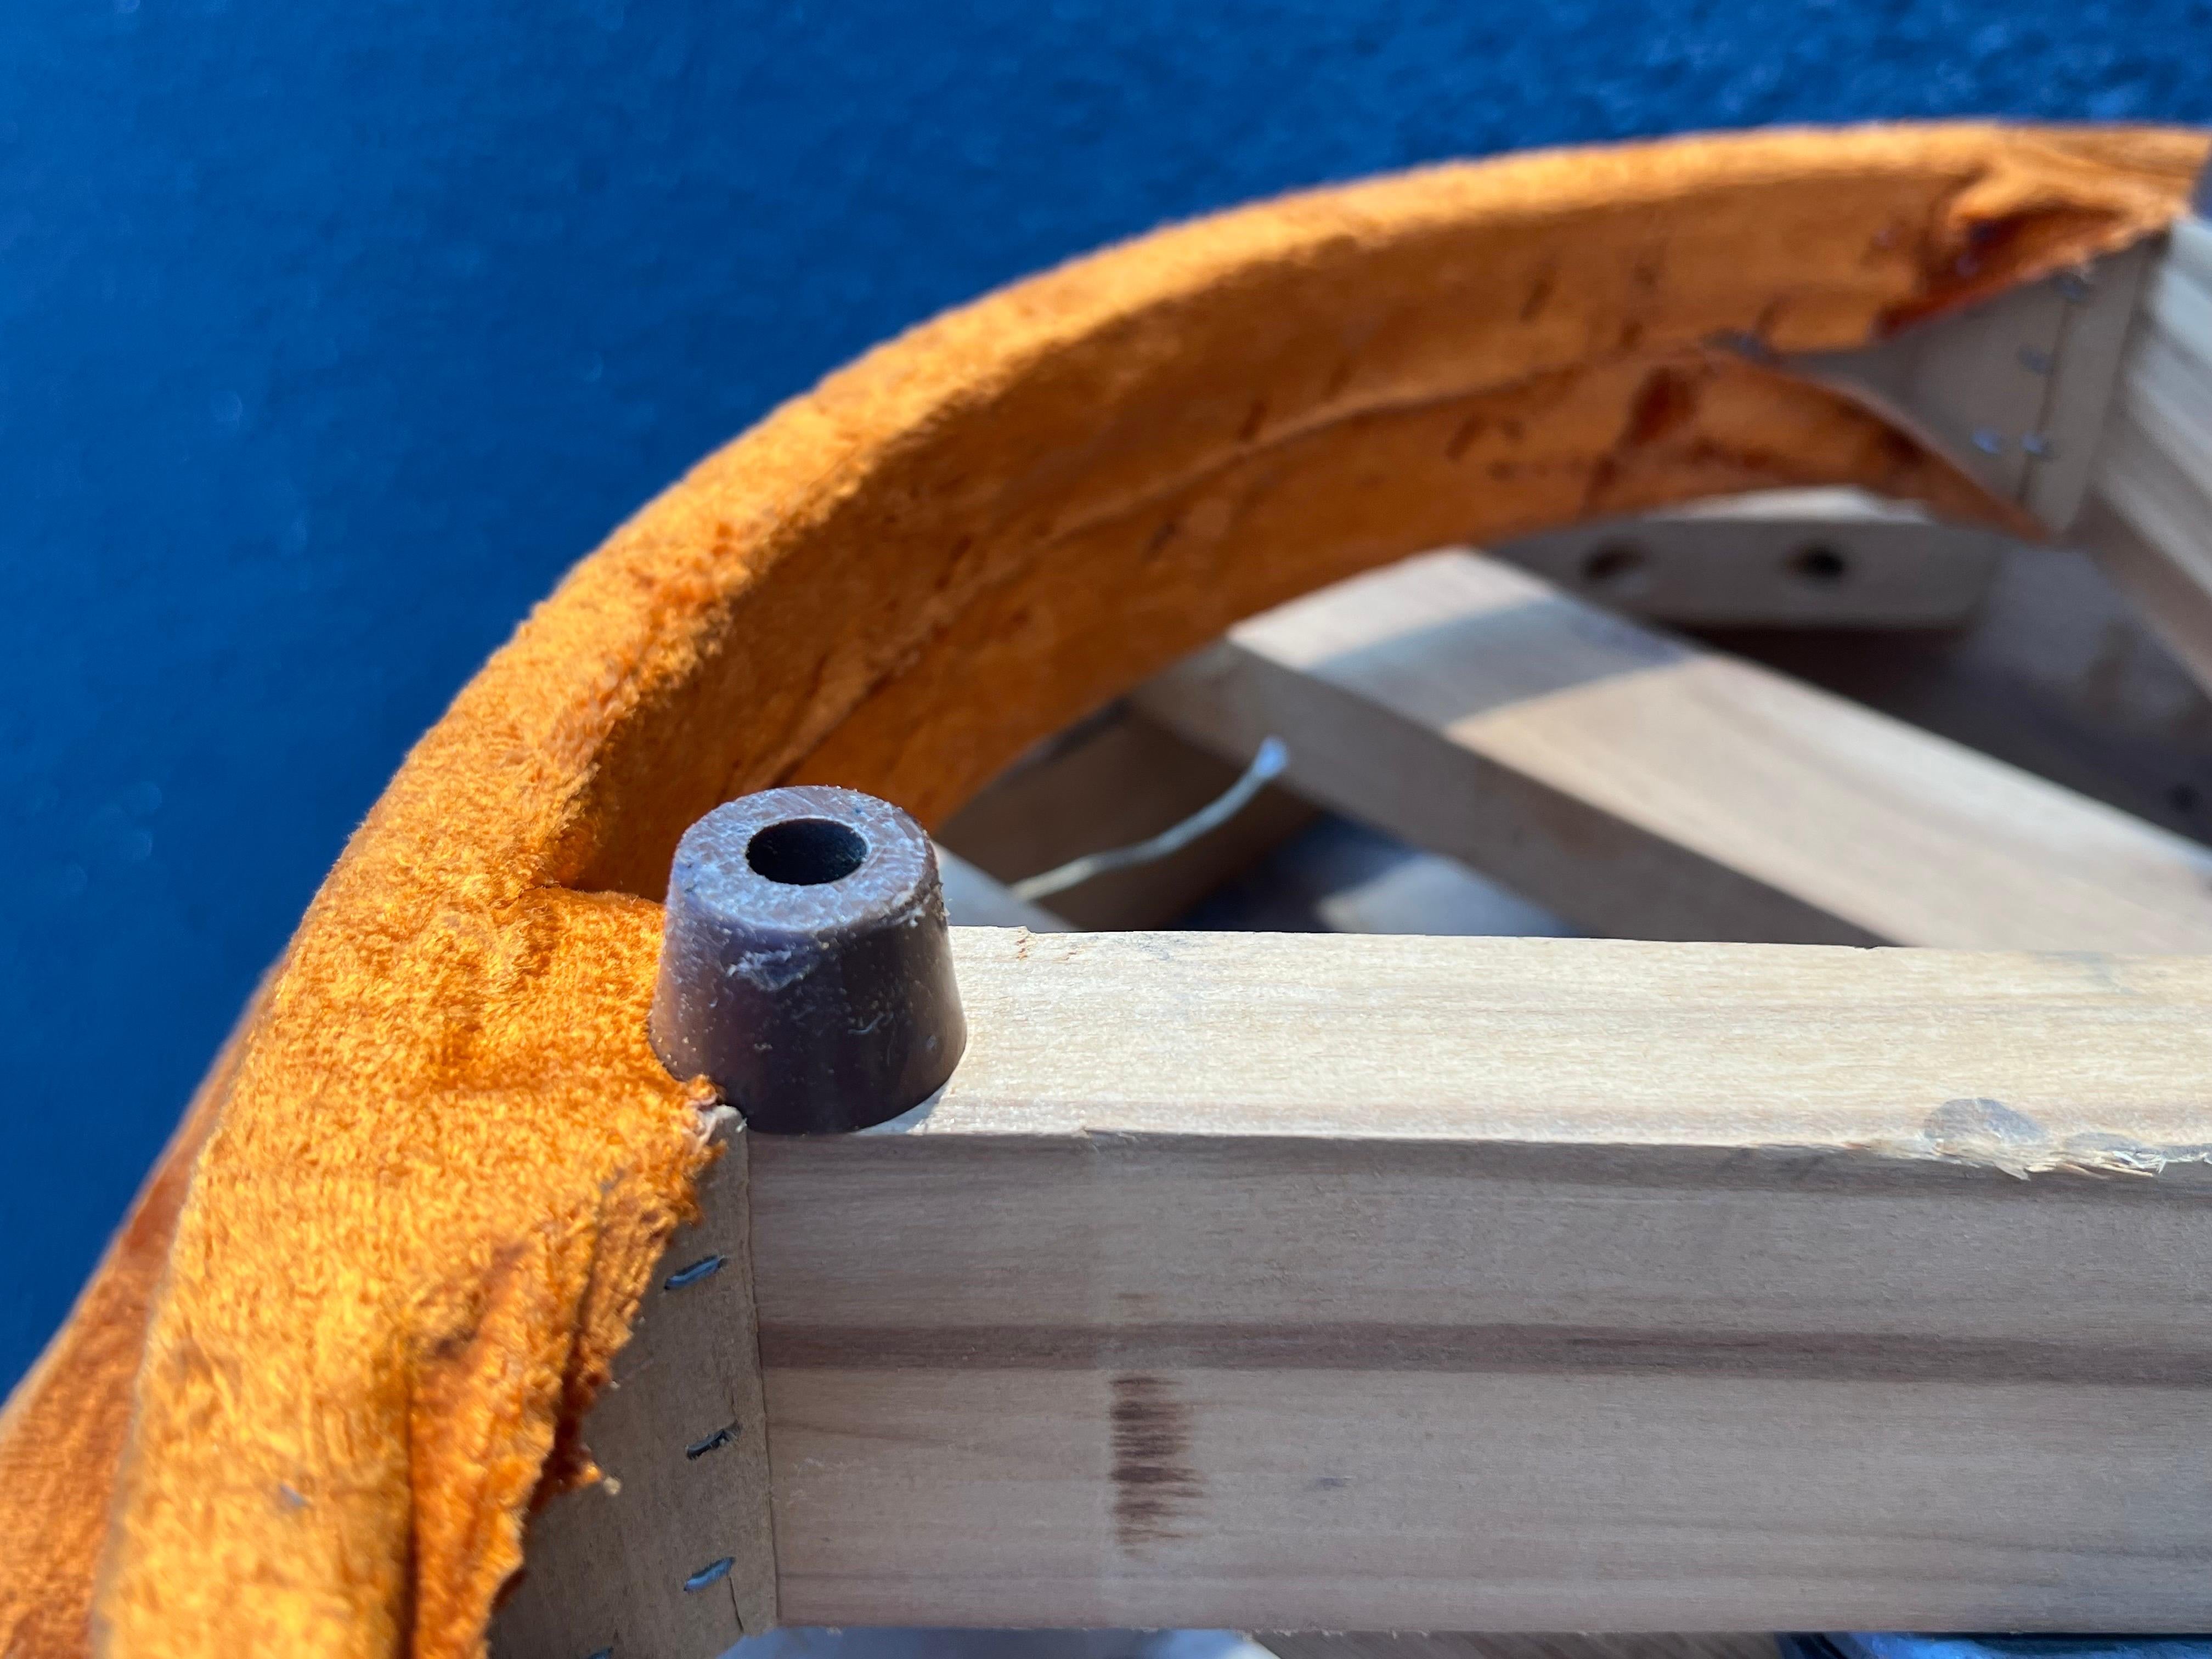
1284, 1282
1640, 785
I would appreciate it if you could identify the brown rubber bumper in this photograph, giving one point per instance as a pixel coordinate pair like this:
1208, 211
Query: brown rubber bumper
806, 964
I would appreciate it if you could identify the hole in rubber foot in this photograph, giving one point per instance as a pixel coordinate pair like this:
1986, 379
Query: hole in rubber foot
806, 852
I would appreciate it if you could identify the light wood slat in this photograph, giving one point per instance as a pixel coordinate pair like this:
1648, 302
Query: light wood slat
2060, 675
2172, 300
1314, 1282
2151, 519
2147, 525
1641, 786
1804, 558
2084, 379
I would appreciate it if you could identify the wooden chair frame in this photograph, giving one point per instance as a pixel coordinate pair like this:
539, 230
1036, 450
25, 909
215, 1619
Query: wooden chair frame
1276, 1284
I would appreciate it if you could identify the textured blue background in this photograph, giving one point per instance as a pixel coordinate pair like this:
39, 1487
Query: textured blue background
330, 333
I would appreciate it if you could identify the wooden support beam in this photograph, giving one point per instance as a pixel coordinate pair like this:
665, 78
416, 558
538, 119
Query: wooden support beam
1795, 558
2059, 674
2151, 521
1314, 1282
1640, 785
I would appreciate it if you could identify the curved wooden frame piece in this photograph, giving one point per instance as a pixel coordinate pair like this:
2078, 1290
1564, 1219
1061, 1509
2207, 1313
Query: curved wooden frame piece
445, 1161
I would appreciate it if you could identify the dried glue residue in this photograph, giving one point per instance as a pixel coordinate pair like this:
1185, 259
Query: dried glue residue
1995, 1136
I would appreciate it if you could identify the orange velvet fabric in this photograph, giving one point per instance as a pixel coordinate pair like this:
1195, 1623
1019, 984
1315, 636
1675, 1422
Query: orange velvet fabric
305, 1404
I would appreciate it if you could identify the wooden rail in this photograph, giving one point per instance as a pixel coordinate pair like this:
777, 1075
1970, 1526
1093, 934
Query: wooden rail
1411, 1283
1802, 558
2151, 519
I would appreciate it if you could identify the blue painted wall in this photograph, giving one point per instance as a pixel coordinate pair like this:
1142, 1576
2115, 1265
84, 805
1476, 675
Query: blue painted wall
329, 334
